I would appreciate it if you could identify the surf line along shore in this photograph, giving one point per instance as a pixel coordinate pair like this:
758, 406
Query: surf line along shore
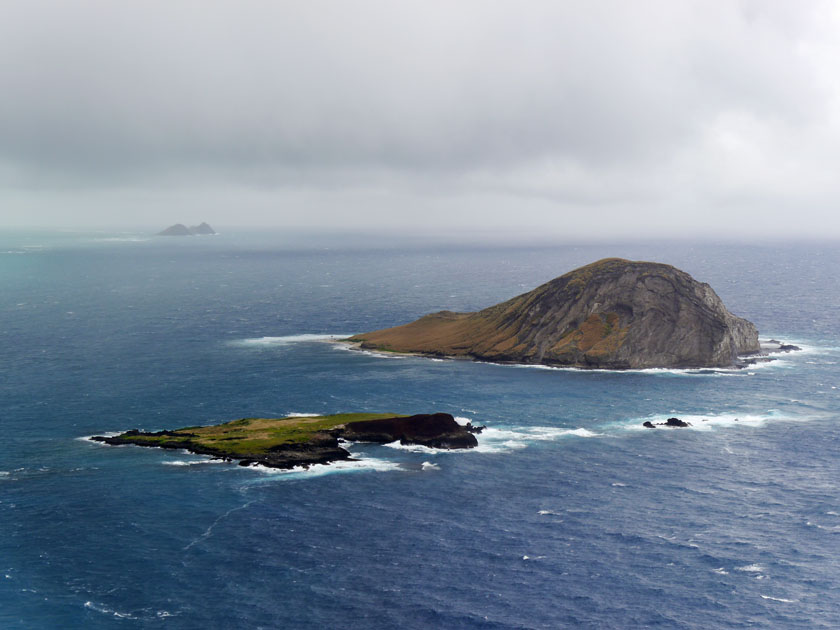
303, 441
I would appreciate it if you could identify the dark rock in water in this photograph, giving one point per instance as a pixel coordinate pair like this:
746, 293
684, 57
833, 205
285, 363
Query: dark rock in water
670, 422
614, 314
438, 430
773, 346
179, 229
473, 428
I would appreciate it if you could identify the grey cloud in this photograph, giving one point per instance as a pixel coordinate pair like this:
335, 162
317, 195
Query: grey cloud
572, 102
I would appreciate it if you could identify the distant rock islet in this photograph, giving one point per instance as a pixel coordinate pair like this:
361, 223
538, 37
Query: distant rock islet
179, 229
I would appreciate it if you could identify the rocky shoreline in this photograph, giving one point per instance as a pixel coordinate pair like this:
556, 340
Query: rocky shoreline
768, 348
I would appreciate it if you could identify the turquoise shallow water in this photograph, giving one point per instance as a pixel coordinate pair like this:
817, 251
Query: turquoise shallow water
567, 515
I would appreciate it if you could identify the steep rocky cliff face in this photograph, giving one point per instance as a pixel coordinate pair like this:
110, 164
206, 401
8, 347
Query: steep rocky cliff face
613, 313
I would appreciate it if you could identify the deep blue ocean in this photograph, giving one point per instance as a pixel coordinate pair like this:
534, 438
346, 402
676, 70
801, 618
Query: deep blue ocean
568, 515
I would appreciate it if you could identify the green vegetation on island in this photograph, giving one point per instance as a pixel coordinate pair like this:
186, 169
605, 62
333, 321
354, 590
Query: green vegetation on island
299, 441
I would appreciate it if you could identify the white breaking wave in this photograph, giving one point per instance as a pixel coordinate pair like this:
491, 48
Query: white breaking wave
834, 529
721, 571
195, 462
651, 371
778, 599
108, 611
374, 353
709, 422
750, 568
288, 339
805, 347
493, 440
430, 466
359, 464
87, 438
419, 448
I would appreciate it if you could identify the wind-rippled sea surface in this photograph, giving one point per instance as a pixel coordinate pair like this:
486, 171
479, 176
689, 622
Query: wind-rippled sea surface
568, 515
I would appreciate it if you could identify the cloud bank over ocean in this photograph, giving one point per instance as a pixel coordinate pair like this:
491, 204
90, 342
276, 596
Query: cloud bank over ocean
563, 118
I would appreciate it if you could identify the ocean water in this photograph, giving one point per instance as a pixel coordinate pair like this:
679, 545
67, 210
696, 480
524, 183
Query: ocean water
568, 515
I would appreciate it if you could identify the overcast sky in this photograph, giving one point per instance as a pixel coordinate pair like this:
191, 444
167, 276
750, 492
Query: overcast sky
574, 119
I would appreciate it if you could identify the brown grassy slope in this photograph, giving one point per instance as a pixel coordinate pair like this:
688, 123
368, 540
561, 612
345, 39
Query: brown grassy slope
502, 331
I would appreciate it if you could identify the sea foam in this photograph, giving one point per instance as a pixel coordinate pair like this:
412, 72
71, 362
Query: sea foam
195, 462
288, 339
497, 440
778, 599
100, 608
750, 568
500, 440
358, 464
710, 422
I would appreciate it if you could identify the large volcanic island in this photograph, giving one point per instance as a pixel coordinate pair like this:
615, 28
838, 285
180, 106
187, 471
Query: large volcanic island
302, 441
612, 314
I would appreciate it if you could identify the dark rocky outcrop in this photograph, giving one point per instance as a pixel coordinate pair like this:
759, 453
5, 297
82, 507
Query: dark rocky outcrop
614, 314
321, 448
773, 346
438, 430
670, 422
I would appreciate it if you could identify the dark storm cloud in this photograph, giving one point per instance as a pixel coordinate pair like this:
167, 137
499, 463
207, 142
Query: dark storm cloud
665, 104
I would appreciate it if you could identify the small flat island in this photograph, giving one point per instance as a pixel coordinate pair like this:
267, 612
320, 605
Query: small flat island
303, 441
